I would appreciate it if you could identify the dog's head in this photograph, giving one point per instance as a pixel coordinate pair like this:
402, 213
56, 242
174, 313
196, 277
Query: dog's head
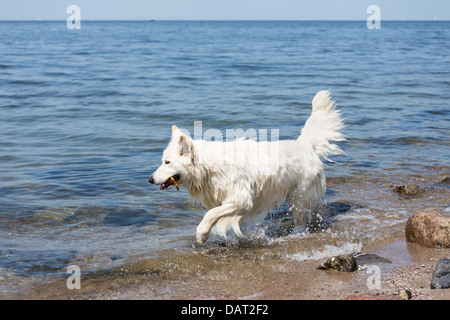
178, 155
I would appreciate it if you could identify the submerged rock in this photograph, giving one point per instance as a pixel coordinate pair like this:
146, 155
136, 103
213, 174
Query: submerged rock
429, 229
441, 276
342, 206
345, 263
408, 190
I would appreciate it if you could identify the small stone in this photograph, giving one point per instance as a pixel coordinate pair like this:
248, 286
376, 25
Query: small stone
441, 276
345, 263
405, 294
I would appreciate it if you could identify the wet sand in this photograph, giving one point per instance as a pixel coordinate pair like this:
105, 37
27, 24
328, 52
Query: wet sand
199, 276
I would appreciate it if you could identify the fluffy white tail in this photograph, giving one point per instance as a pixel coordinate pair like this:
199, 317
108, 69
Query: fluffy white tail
323, 126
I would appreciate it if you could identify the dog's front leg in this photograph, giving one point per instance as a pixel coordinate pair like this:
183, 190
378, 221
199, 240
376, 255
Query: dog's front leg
212, 216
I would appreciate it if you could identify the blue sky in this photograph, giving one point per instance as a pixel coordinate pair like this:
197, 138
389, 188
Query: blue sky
225, 9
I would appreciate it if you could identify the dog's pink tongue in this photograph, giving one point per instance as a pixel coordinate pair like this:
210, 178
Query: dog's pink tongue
160, 187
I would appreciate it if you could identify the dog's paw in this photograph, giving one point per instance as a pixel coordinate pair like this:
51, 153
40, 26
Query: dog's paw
202, 237
203, 232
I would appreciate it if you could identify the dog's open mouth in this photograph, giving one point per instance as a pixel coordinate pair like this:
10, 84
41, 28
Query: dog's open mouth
169, 183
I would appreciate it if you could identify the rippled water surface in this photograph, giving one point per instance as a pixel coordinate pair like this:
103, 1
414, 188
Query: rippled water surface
85, 115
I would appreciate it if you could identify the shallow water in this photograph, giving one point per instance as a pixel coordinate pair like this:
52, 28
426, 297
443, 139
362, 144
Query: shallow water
86, 114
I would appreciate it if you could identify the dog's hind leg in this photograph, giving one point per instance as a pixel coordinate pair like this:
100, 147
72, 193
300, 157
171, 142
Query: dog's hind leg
300, 208
303, 199
214, 215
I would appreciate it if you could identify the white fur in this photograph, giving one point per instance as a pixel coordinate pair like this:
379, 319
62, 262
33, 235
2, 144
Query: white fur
240, 181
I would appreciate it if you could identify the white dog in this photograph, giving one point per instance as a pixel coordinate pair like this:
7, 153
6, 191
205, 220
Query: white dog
240, 181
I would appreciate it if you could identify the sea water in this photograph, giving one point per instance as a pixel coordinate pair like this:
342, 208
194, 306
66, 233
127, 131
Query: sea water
86, 114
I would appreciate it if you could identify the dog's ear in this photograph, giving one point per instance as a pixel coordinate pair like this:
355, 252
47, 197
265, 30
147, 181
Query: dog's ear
176, 133
185, 145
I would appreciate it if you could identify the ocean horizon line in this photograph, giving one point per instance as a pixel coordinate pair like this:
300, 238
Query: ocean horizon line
219, 20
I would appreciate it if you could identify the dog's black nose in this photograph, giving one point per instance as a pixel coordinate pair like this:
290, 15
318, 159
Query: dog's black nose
151, 180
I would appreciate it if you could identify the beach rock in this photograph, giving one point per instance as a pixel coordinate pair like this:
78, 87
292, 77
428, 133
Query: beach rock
446, 181
345, 263
429, 229
352, 262
441, 276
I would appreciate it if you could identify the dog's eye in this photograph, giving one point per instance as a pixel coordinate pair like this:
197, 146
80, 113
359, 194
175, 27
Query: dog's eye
166, 161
